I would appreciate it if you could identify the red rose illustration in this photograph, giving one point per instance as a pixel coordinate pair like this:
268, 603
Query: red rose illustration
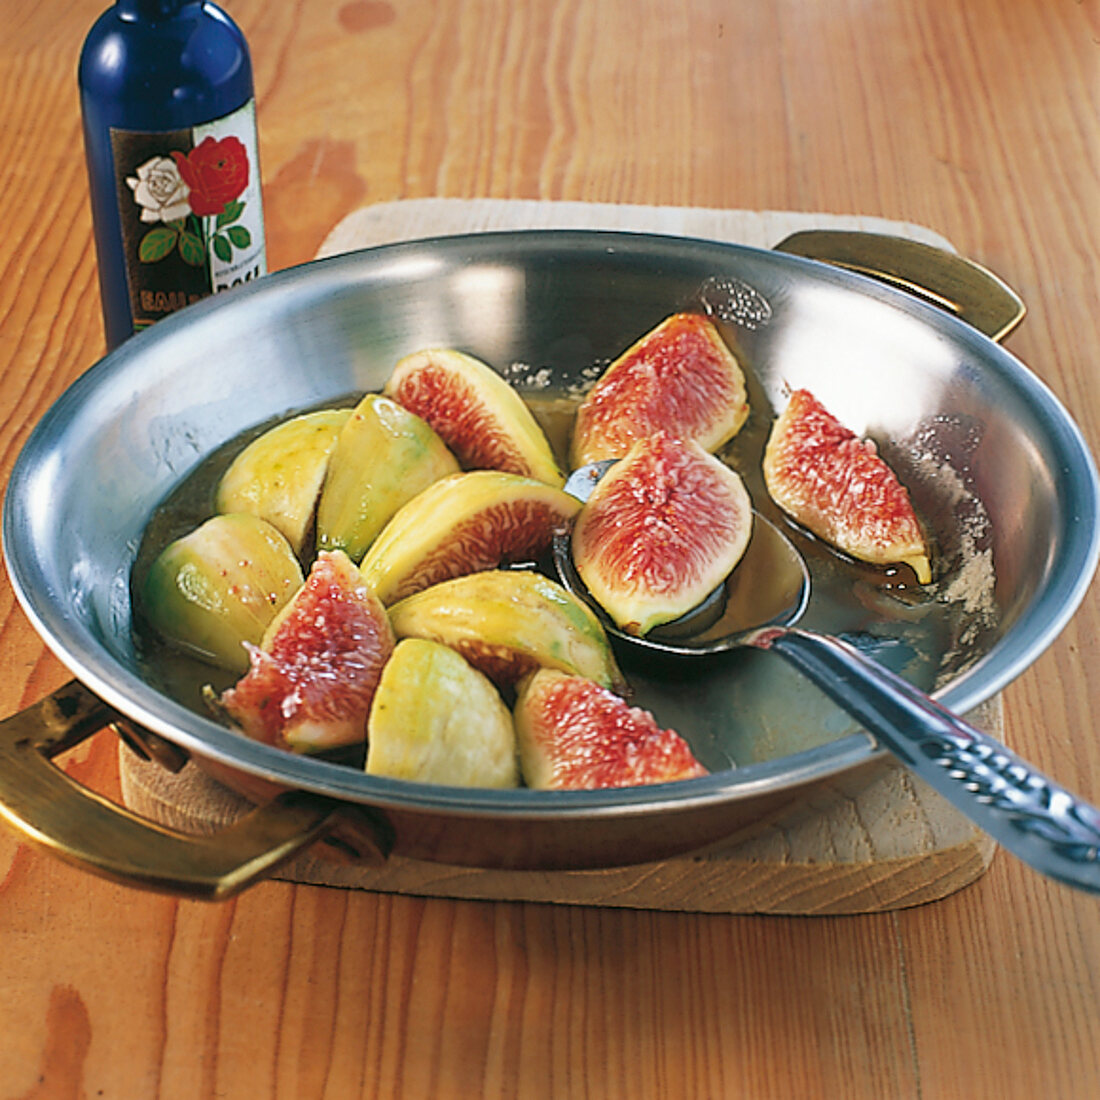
215, 171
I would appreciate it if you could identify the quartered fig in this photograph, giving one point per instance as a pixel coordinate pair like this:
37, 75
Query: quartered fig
384, 456
662, 529
479, 416
278, 476
507, 623
574, 734
680, 377
311, 682
436, 719
462, 524
837, 485
220, 586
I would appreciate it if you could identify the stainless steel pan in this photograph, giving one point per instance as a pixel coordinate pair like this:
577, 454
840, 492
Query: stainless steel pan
993, 460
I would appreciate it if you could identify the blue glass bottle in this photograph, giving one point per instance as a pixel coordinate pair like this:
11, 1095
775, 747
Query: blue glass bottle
168, 108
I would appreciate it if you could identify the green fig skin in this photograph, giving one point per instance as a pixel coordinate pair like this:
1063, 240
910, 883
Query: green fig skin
508, 622
384, 456
219, 587
436, 719
279, 475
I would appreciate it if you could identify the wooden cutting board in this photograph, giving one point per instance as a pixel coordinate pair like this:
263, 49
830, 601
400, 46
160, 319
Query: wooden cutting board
877, 841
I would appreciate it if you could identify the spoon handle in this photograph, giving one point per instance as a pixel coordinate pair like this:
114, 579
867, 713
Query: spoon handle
1046, 826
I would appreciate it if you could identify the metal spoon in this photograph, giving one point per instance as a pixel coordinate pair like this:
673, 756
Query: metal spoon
1046, 826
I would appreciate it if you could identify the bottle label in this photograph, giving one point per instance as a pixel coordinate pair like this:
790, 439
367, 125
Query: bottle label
191, 212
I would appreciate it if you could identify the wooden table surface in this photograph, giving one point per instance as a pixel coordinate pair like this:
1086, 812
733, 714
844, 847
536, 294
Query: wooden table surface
980, 119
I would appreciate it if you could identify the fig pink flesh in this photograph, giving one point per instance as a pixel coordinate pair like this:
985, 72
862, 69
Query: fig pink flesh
456, 413
512, 531
475, 412
576, 735
837, 485
680, 377
312, 686
664, 527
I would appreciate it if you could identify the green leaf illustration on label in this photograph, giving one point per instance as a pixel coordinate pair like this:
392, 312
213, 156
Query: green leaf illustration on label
231, 213
191, 249
157, 243
240, 236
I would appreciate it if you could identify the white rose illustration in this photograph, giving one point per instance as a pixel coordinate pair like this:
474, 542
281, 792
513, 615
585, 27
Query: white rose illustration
160, 191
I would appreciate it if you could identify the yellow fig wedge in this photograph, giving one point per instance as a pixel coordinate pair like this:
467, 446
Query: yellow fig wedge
384, 456
479, 416
436, 719
508, 623
465, 523
278, 476
219, 587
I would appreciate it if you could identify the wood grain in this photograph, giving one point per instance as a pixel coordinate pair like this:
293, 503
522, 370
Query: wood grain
979, 119
862, 844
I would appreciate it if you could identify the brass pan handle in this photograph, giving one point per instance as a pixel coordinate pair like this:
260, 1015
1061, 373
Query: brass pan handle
55, 812
955, 284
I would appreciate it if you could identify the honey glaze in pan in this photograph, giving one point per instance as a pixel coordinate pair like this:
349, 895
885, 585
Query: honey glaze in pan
724, 704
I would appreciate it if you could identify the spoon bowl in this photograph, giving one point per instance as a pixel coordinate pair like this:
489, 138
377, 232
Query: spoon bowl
759, 605
770, 587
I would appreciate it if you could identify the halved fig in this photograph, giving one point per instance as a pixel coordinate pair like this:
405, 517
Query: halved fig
837, 485
479, 416
575, 735
680, 377
507, 623
663, 528
436, 719
462, 524
313, 677
384, 456
278, 476
219, 587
